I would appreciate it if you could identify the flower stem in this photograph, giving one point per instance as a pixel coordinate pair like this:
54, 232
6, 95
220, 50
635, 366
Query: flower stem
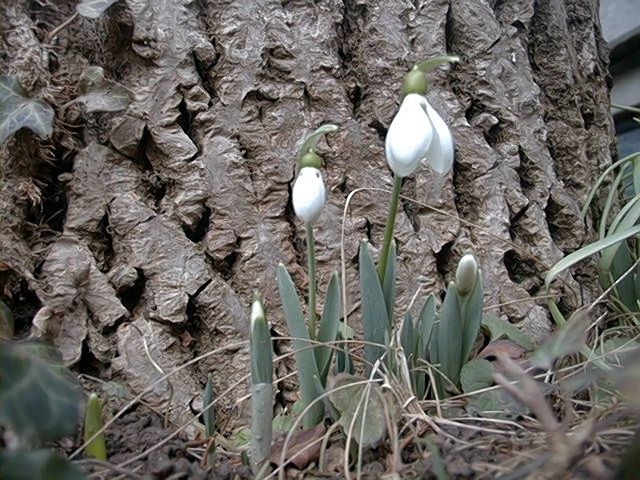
311, 258
388, 231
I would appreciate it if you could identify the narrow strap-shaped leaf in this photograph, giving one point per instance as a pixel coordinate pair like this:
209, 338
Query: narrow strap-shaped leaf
389, 286
425, 327
602, 178
329, 325
434, 356
374, 308
450, 335
609, 203
305, 358
434, 62
260, 339
587, 251
344, 363
261, 422
423, 331
93, 422
408, 336
210, 414
471, 309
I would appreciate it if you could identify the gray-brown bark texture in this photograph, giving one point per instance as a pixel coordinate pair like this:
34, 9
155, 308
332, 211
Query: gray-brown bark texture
170, 214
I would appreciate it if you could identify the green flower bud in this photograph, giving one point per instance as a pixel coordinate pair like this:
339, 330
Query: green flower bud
311, 159
414, 82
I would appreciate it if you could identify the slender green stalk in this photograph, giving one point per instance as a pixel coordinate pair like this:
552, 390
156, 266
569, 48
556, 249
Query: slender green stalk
388, 231
311, 258
92, 424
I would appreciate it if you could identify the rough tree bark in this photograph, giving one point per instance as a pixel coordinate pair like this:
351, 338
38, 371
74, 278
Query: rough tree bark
169, 215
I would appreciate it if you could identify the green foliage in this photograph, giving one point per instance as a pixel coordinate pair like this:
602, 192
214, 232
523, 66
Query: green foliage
99, 94
476, 375
18, 110
93, 423
261, 384
38, 401
568, 339
449, 336
618, 243
375, 322
498, 328
305, 358
360, 407
460, 319
209, 415
312, 140
450, 344
37, 465
329, 325
93, 8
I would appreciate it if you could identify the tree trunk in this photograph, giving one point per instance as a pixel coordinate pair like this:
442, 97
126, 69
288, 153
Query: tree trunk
169, 215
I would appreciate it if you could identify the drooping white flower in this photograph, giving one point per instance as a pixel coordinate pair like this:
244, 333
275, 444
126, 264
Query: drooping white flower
417, 132
309, 195
466, 273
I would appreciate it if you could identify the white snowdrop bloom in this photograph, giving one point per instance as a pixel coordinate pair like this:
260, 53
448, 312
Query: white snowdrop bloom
466, 273
309, 195
417, 132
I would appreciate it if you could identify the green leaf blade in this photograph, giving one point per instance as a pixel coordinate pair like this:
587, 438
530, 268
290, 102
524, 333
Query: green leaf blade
471, 311
305, 358
93, 423
329, 325
588, 251
210, 414
313, 139
449, 336
374, 308
19, 111
37, 465
48, 403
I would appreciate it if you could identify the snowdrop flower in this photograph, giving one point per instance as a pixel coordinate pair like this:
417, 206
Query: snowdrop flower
466, 273
309, 195
418, 132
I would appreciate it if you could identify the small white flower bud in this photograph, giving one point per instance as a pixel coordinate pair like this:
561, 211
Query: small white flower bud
309, 195
466, 274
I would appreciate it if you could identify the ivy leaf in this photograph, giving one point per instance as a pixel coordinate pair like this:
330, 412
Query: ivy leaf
499, 328
37, 465
93, 8
37, 398
241, 438
17, 110
357, 406
570, 338
100, 94
282, 423
476, 375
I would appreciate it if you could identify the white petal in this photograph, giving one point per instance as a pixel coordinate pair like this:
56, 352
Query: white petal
466, 273
409, 136
309, 195
440, 153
